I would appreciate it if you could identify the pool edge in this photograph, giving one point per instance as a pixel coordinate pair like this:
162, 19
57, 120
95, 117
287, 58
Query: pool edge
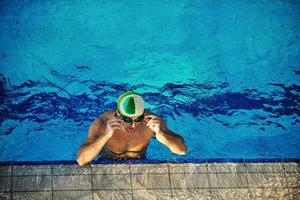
68, 162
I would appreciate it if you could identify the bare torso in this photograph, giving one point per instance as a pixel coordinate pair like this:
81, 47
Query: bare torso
127, 143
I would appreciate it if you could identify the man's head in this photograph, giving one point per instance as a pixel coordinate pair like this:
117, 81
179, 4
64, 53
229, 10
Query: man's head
130, 106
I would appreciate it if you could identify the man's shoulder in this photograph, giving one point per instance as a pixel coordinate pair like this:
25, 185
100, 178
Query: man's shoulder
100, 121
109, 113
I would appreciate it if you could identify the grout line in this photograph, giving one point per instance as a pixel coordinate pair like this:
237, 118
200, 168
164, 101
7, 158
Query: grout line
171, 185
152, 173
167, 189
231, 188
92, 182
214, 188
285, 175
52, 181
131, 181
11, 182
286, 181
194, 188
54, 175
208, 179
246, 175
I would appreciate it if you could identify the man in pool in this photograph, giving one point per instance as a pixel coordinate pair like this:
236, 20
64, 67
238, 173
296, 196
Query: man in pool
124, 133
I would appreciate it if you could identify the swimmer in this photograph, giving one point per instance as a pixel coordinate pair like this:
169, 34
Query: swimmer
124, 133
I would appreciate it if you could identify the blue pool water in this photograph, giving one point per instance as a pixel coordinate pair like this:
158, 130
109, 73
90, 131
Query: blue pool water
223, 74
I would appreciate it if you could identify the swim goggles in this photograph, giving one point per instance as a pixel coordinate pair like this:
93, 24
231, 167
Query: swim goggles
129, 120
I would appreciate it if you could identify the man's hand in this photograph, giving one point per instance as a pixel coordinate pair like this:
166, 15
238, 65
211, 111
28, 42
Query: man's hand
153, 122
112, 126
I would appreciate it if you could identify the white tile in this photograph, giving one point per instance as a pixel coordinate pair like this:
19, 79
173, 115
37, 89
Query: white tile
112, 194
276, 193
226, 167
293, 180
72, 195
232, 194
150, 181
191, 194
291, 167
5, 170
256, 193
5, 184
111, 182
111, 169
32, 183
294, 193
163, 194
227, 180
5, 195
264, 167
71, 170
31, 170
32, 195
149, 168
266, 180
269, 193
72, 182
190, 181
188, 168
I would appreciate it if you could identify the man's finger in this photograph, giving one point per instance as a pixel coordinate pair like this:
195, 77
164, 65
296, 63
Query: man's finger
116, 127
149, 122
151, 116
155, 120
116, 119
115, 124
113, 120
146, 120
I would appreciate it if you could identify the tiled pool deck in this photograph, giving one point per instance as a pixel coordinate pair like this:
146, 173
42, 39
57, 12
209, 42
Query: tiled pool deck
152, 181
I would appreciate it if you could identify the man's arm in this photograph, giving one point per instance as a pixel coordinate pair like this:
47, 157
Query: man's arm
94, 143
172, 140
167, 137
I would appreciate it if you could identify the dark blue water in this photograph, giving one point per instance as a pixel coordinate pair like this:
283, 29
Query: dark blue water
224, 75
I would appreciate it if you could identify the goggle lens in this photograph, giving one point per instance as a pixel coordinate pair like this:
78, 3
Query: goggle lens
129, 120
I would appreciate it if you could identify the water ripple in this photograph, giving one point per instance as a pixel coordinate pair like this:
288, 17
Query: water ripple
40, 102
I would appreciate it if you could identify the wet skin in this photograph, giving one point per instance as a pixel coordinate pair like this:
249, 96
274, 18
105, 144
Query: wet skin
127, 139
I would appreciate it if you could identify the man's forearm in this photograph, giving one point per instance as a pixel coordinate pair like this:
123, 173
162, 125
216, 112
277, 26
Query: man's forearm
173, 141
88, 152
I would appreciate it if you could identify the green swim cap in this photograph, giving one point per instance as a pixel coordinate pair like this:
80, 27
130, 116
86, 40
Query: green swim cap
131, 104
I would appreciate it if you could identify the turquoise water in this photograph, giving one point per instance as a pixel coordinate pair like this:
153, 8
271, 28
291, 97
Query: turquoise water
223, 74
